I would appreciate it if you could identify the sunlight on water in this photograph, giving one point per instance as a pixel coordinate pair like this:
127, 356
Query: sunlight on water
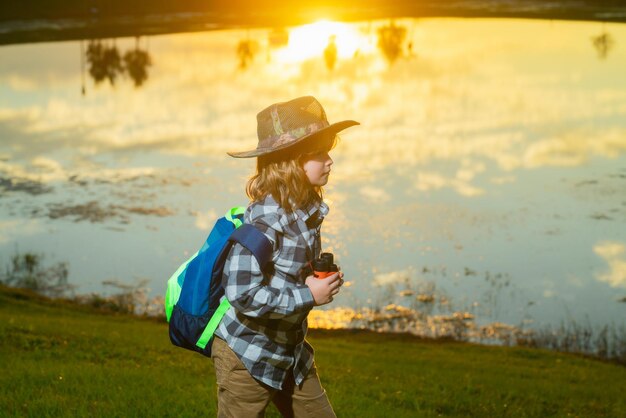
311, 41
484, 186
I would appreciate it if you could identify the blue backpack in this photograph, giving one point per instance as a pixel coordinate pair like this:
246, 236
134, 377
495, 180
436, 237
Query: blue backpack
192, 299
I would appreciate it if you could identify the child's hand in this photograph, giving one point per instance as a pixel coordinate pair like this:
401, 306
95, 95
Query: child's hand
323, 290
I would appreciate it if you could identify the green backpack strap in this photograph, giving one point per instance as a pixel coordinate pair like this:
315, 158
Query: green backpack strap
232, 213
215, 320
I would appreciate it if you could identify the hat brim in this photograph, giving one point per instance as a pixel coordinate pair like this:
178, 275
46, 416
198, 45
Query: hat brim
330, 129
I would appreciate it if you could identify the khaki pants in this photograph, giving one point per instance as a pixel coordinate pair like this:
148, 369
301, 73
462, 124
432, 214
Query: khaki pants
239, 395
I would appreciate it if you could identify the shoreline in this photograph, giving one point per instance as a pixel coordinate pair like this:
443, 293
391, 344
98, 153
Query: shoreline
606, 344
23, 25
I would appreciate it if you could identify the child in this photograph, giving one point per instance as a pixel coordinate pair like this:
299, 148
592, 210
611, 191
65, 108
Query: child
260, 354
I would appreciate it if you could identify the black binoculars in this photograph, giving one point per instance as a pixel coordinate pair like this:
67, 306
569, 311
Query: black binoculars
324, 266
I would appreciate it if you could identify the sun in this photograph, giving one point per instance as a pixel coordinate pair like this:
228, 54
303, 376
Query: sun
310, 40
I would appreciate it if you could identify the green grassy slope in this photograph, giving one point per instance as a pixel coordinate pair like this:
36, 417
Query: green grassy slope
62, 360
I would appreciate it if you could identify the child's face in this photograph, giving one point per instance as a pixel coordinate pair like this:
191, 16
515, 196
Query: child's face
317, 167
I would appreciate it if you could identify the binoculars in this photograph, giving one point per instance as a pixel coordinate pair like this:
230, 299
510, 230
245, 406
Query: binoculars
324, 266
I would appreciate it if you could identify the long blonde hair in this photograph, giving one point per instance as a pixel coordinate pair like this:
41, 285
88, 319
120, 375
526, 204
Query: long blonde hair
281, 174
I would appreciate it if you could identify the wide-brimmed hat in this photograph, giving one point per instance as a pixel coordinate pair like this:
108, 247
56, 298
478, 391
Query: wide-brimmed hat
283, 125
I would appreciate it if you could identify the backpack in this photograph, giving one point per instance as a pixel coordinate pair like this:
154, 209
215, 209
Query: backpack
192, 300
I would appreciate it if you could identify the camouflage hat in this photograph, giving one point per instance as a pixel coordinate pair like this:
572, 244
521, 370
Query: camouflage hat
285, 124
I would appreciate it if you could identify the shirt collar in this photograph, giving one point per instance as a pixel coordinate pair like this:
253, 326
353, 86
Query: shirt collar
313, 216
317, 210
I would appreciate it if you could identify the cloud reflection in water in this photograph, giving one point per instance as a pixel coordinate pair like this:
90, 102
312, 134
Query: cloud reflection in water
614, 253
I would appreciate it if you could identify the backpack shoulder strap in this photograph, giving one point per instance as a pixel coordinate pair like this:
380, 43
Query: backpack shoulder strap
255, 241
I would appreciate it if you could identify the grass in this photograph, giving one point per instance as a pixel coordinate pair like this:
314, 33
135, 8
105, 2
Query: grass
59, 359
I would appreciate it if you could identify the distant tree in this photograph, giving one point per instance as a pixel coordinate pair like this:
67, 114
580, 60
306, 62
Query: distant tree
104, 61
137, 62
26, 271
330, 53
246, 50
390, 41
603, 44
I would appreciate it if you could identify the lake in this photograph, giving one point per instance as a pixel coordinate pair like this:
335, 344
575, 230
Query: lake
487, 178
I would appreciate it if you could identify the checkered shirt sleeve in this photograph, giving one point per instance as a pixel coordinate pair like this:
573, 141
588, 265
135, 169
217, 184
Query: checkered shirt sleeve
252, 294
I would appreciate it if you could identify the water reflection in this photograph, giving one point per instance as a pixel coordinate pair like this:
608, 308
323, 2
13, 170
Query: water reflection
278, 37
246, 50
512, 163
312, 41
614, 253
137, 62
105, 62
330, 53
391, 40
603, 44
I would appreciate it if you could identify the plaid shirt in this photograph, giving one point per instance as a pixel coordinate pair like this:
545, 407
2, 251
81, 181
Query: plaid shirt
266, 323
